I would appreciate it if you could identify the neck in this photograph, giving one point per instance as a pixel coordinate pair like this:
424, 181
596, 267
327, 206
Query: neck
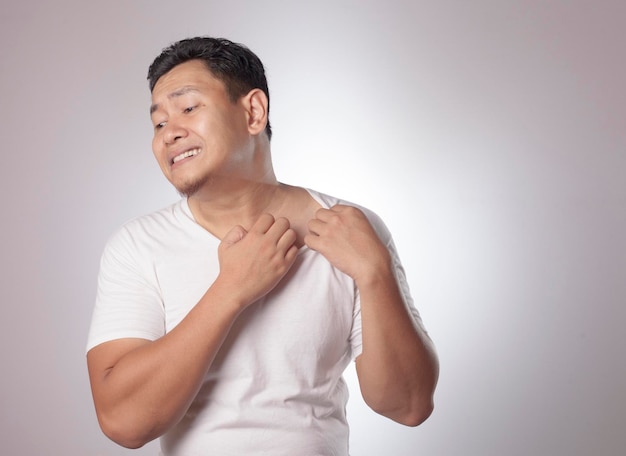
238, 203
240, 195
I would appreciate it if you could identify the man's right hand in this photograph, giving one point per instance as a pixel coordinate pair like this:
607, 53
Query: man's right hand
253, 262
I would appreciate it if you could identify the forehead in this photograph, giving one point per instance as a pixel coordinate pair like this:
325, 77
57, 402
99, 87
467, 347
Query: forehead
191, 74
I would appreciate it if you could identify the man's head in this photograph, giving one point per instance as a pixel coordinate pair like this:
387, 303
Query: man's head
238, 68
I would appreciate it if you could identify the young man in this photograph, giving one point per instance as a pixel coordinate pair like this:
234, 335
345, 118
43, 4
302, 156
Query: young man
223, 323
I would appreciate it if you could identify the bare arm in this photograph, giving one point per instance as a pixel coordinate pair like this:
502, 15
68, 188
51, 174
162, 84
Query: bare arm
398, 367
142, 388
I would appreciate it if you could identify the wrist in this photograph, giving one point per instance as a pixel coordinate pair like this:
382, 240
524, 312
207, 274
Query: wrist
376, 272
228, 295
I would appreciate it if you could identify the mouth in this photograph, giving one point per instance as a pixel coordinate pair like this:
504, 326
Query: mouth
186, 154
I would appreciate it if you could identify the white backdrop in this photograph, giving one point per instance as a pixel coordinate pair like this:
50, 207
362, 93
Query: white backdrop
491, 137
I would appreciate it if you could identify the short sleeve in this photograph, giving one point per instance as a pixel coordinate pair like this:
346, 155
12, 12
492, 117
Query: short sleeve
128, 301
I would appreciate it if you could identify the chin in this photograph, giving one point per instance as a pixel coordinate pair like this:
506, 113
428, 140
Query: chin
190, 187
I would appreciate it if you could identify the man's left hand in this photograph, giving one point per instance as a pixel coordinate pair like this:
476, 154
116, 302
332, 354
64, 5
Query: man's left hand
344, 235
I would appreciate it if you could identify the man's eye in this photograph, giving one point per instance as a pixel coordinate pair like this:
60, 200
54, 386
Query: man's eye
189, 109
159, 125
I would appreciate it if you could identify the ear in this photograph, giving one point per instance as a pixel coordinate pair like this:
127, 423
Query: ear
256, 104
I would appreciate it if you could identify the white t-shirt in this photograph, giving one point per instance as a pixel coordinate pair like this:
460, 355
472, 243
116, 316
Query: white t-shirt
276, 386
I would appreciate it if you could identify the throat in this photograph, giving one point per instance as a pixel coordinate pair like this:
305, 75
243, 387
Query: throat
219, 215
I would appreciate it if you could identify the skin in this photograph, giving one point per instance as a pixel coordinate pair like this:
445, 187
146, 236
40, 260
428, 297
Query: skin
233, 193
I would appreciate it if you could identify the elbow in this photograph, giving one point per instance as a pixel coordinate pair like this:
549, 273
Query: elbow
416, 415
124, 432
411, 413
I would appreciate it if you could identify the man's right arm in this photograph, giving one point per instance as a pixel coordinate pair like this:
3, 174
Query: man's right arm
142, 388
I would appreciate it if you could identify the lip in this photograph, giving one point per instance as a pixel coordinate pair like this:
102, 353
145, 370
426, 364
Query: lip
179, 152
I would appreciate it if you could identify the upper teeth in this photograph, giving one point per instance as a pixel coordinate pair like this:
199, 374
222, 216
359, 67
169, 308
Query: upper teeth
189, 153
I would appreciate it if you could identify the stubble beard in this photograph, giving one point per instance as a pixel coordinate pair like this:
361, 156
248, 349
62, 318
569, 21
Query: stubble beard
192, 186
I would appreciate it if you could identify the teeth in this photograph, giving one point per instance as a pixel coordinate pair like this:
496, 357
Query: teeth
189, 153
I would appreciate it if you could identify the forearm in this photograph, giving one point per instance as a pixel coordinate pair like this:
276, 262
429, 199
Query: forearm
398, 367
148, 390
142, 388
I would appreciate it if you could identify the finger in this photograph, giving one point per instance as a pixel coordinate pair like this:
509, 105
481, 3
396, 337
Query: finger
263, 223
281, 224
286, 241
323, 214
312, 241
236, 234
316, 226
333, 214
290, 256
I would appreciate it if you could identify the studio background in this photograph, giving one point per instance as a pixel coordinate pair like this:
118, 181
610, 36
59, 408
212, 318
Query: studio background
490, 136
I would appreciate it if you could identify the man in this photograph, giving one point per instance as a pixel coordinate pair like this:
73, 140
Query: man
223, 323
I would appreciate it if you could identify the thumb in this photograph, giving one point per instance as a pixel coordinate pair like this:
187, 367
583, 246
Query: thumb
236, 234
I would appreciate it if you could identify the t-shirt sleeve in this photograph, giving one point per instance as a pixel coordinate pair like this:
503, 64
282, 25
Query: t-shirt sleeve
128, 301
356, 341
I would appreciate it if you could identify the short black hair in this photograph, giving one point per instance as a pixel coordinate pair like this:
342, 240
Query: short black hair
232, 63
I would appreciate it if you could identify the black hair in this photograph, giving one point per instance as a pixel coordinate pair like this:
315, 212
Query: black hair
232, 63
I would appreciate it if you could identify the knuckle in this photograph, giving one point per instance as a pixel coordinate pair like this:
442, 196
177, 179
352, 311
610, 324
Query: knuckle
335, 219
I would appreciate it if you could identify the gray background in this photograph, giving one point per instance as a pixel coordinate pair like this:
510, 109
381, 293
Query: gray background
489, 135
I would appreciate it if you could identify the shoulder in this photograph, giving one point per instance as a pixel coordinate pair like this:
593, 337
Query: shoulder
328, 201
169, 216
144, 230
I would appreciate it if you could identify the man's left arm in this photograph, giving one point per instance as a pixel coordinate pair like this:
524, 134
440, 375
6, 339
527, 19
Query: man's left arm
398, 366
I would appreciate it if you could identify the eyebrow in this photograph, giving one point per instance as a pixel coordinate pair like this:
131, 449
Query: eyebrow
177, 93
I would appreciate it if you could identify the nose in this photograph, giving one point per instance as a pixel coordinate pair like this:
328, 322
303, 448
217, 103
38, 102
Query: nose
173, 132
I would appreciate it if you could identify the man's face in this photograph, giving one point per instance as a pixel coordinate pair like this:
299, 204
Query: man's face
199, 134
